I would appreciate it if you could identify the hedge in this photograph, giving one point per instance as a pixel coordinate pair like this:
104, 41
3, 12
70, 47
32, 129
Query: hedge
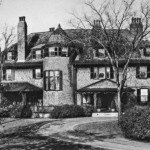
67, 111
135, 123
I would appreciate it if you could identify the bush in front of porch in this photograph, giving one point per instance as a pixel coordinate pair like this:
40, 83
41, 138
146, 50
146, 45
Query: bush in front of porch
67, 111
16, 111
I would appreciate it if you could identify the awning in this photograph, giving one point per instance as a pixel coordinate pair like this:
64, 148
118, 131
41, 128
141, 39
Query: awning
20, 87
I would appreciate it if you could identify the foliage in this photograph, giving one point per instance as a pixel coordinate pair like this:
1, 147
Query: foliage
113, 105
16, 111
26, 112
88, 109
130, 101
4, 113
67, 111
135, 123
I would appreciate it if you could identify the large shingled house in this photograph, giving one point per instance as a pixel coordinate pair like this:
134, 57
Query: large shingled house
47, 68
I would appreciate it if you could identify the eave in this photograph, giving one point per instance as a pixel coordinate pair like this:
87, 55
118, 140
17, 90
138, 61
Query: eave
103, 62
23, 65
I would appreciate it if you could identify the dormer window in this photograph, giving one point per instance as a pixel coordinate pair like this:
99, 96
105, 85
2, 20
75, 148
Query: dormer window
100, 53
58, 51
37, 54
146, 51
9, 56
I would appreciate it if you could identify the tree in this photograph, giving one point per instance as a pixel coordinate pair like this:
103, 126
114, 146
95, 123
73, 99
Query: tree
111, 31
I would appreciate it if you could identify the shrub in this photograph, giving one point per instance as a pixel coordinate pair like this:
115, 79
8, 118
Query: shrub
26, 112
135, 123
67, 111
16, 111
4, 113
88, 109
131, 101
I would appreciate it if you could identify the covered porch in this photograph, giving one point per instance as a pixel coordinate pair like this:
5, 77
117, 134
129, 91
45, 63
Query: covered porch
23, 93
102, 95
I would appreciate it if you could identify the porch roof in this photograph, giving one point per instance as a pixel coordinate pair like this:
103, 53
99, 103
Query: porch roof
102, 86
20, 87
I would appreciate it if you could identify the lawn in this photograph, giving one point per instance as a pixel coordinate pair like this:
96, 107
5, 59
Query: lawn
103, 130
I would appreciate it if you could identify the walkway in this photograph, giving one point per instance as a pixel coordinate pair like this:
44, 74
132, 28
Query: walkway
64, 130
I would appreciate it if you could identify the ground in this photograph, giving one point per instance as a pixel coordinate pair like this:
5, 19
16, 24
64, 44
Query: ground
66, 134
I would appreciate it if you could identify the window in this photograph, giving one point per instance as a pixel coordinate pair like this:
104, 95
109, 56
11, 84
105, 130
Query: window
100, 53
9, 56
53, 80
142, 95
8, 74
37, 73
146, 51
58, 51
141, 72
37, 54
101, 73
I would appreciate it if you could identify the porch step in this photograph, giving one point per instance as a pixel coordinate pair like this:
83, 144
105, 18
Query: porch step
100, 114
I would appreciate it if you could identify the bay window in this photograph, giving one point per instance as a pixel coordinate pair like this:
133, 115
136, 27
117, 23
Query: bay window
53, 80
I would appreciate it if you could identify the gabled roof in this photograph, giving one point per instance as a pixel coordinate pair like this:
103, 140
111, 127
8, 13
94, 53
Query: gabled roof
102, 85
20, 87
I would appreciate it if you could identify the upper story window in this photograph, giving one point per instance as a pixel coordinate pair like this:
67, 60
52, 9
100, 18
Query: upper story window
146, 51
53, 80
37, 54
100, 53
101, 73
8, 74
142, 72
9, 56
58, 51
37, 73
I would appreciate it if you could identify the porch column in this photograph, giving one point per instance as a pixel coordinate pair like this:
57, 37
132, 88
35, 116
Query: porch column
23, 98
88, 98
79, 99
95, 102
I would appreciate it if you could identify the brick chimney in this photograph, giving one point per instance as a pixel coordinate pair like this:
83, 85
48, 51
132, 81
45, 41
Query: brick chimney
22, 39
136, 26
51, 29
97, 23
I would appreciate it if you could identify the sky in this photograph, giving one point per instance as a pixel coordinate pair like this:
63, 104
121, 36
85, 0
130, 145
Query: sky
40, 14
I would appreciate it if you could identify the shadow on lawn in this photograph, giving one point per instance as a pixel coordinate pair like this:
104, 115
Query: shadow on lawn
25, 137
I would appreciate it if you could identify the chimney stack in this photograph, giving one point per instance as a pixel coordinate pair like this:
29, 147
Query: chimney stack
51, 29
97, 23
136, 26
22, 39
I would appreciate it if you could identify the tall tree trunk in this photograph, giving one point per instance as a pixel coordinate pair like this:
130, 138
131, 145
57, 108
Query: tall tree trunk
119, 104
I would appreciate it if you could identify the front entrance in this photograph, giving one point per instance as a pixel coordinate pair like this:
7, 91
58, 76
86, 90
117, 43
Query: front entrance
34, 98
106, 101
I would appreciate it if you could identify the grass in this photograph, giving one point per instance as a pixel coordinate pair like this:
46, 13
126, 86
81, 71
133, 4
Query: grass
103, 130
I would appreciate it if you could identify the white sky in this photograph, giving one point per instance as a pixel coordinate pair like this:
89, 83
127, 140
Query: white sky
40, 14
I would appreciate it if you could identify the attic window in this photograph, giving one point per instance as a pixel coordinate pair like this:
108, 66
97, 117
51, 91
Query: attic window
100, 53
9, 56
58, 51
148, 51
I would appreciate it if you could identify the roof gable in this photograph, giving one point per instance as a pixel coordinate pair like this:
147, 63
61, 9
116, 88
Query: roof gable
100, 85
